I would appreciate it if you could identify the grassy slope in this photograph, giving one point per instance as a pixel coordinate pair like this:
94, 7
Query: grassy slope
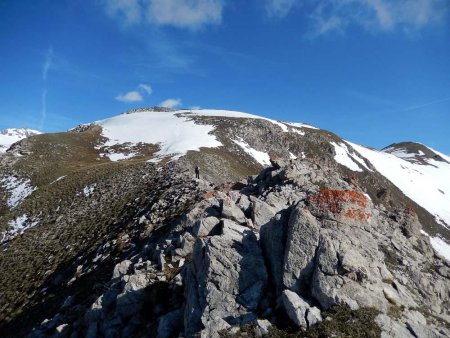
70, 224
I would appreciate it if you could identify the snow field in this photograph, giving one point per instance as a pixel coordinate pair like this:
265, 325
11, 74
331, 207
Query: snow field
427, 185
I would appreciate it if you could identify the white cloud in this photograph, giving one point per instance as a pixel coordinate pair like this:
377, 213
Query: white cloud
377, 15
185, 13
146, 88
372, 15
280, 8
171, 103
132, 96
178, 13
48, 63
135, 95
127, 11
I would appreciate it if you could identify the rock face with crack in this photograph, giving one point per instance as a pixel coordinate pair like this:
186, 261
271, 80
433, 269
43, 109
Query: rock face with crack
226, 281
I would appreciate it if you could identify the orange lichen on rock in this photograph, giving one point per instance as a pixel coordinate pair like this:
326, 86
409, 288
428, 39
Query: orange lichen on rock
357, 214
332, 199
209, 194
348, 203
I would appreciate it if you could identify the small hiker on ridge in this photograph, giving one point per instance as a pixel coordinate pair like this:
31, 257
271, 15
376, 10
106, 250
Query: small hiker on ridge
197, 172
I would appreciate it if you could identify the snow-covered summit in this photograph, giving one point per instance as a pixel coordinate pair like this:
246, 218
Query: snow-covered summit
175, 131
12, 135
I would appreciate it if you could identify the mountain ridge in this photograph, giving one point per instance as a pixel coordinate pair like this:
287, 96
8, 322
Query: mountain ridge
128, 135
102, 199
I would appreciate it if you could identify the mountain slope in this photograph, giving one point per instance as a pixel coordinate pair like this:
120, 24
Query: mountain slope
424, 179
75, 205
422, 175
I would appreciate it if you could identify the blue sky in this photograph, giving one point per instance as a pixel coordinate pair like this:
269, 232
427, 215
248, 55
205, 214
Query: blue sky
372, 71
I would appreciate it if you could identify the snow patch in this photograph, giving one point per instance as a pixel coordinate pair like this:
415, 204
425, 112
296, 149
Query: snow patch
442, 247
18, 189
17, 227
298, 131
301, 125
175, 135
344, 157
438, 244
260, 156
119, 156
402, 153
358, 159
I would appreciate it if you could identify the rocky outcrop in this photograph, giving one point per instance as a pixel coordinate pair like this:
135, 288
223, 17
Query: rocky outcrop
328, 247
283, 251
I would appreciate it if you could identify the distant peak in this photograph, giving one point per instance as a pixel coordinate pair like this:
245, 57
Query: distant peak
414, 152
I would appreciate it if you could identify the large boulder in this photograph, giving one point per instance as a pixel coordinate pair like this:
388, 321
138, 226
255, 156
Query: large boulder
301, 245
231, 211
225, 282
262, 212
204, 226
327, 253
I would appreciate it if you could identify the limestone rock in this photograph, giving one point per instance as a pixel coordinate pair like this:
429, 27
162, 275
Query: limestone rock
299, 311
301, 245
225, 282
204, 226
313, 316
231, 211
244, 203
391, 328
261, 212
296, 308
136, 282
262, 327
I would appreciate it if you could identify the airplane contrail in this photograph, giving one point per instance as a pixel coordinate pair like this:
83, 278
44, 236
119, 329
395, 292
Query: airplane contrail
427, 104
